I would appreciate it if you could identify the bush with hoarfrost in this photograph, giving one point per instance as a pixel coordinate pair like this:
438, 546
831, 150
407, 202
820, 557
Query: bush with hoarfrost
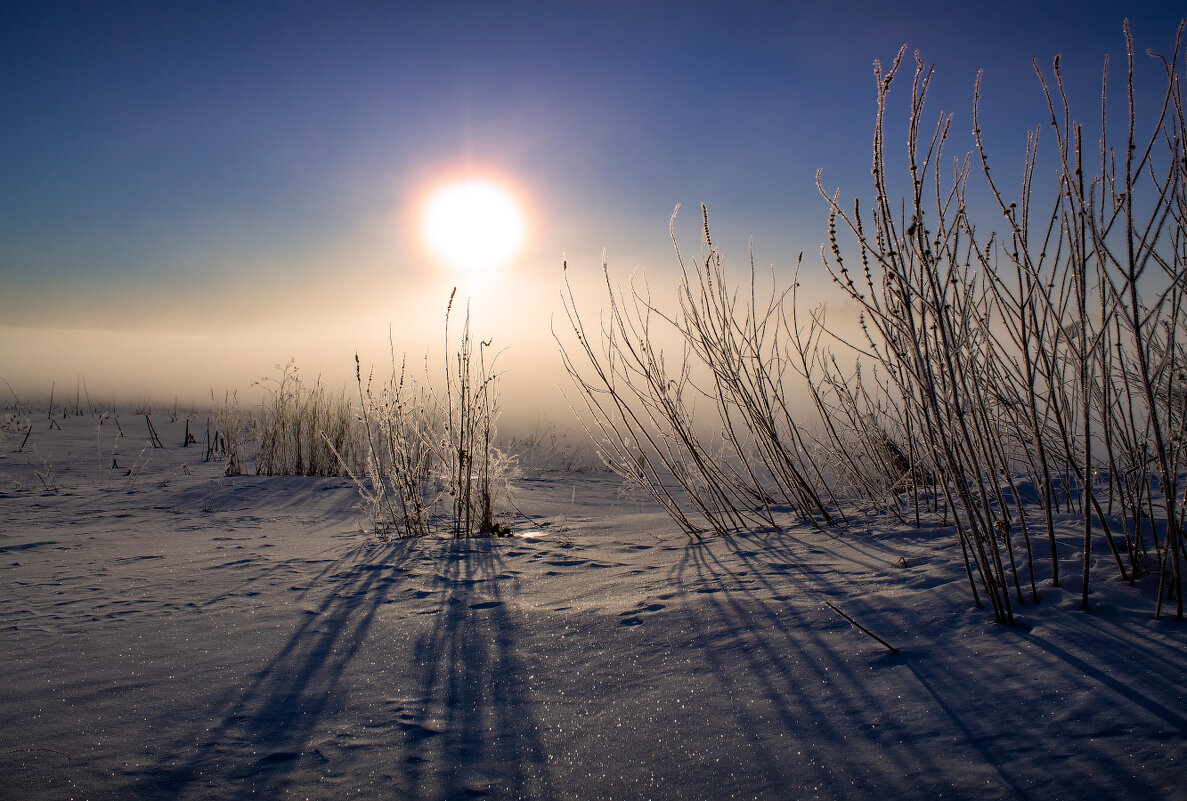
1048, 354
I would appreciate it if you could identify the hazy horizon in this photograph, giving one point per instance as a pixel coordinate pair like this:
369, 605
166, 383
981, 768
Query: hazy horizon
194, 195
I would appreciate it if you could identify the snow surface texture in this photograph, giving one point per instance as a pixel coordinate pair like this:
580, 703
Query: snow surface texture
174, 635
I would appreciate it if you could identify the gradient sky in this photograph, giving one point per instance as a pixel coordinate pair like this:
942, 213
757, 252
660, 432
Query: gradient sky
191, 193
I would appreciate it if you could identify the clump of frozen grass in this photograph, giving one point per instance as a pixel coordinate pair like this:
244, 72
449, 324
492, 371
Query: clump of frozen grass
550, 449
231, 434
477, 472
15, 417
45, 472
297, 429
399, 425
16, 427
140, 466
429, 456
213, 489
110, 470
303, 430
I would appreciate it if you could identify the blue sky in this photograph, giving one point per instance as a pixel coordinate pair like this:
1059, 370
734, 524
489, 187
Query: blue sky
240, 179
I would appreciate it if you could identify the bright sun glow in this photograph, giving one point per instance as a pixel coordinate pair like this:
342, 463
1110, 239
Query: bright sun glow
473, 225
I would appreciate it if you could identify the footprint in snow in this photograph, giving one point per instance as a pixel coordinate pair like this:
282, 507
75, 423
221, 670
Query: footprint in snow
632, 617
280, 757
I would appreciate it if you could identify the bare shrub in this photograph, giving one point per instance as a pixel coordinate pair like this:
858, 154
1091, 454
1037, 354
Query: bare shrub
638, 410
1000, 378
734, 355
1046, 354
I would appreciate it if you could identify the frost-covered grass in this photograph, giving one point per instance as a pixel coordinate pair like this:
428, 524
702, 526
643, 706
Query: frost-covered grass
429, 450
304, 430
423, 455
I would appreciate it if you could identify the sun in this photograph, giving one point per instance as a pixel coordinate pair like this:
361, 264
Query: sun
474, 225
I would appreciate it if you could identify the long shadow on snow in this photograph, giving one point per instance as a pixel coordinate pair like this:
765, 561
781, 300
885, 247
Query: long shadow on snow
472, 730
283, 704
765, 637
998, 731
469, 729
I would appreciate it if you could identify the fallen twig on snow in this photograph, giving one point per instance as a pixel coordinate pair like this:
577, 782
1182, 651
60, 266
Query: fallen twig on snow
860, 627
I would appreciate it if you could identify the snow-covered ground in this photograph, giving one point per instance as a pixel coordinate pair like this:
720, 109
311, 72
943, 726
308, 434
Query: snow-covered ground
177, 634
